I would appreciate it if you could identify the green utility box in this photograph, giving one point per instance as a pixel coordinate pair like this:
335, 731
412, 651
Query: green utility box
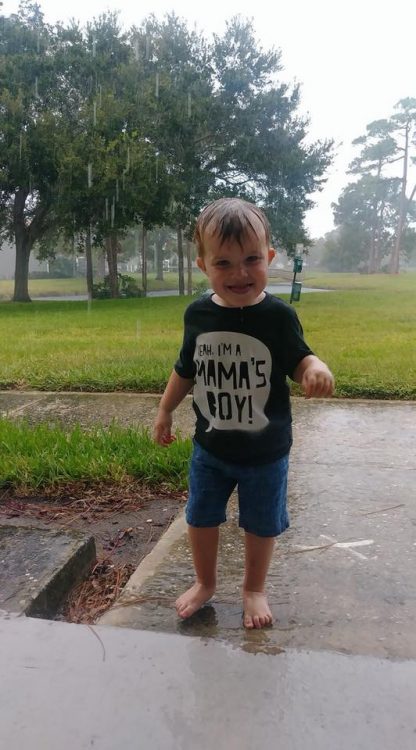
297, 265
296, 290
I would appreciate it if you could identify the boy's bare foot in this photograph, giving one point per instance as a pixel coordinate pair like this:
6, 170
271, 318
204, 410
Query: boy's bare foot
257, 612
193, 599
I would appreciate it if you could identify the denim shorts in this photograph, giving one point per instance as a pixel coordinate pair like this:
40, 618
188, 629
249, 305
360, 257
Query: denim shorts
262, 493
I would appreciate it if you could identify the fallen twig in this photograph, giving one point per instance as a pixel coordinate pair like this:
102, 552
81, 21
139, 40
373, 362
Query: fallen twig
380, 510
311, 549
98, 637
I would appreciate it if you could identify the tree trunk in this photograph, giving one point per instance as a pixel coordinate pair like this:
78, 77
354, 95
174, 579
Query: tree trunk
23, 248
144, 259
111, 249
21, 275
101, 264
377, 255
159, 260
371, 260
88, 257
188, 267
395, 256
180, 263
374, 226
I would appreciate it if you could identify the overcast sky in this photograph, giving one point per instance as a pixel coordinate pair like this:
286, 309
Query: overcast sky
354, 60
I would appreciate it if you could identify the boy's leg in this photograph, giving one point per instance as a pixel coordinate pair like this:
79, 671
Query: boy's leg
204, 545
263, 516
258, 554
209, 489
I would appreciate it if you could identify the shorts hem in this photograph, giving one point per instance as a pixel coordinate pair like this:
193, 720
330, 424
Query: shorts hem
204, 524
261, 532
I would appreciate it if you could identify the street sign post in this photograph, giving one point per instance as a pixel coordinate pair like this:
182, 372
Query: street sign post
296, 285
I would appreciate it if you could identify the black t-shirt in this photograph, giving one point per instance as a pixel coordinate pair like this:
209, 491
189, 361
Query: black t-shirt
239, 359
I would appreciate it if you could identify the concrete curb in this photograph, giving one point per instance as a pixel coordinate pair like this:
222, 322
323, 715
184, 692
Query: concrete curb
56, 588
40, 567
118, 614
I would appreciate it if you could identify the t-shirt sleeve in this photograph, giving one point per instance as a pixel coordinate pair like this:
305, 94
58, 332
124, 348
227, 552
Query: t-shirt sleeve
185, 365
296, 346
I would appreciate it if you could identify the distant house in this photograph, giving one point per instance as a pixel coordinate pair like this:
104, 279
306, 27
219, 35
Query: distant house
7, 262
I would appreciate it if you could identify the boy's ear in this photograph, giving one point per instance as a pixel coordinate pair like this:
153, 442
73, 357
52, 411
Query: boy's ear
201, 265
272, 254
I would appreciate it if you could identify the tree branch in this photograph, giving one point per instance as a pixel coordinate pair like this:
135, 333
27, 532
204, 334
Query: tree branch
204, 138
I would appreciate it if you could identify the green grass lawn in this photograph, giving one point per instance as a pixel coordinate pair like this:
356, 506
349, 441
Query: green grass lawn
310, 278
358, 281
40, 455
62, 287
367, 337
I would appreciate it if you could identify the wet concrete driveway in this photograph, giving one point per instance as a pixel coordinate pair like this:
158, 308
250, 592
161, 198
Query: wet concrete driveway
342, 577
342, 580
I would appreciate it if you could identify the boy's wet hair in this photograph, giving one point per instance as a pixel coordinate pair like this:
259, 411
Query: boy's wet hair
230, 218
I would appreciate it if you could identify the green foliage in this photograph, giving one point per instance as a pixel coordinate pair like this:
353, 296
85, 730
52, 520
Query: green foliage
374, 214
200, 288
61, 268
35, 125
262, 153
127, 287
104, 129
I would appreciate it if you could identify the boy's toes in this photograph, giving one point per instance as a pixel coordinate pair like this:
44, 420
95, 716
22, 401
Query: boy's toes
251, 622
257, 613
184, 612
248, 622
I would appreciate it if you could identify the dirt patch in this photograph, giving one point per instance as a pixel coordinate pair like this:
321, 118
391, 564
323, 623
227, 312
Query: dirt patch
126, 520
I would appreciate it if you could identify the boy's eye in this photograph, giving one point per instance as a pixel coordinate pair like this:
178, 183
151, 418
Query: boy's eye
253, 258
221, 263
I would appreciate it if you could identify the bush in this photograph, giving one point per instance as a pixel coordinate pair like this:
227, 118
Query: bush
127, 287
200, 288
61, 268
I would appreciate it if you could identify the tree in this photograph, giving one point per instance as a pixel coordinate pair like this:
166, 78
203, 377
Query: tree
354, 215
91, 168
375, 208
343, 248
379, 150
176, 119
106, 130
405, 122
260, 151
32, 132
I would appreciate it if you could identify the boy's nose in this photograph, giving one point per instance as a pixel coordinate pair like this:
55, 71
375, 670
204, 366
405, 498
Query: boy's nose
241, 271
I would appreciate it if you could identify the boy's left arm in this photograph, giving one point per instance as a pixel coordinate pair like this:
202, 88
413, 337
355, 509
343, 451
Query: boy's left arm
314, 376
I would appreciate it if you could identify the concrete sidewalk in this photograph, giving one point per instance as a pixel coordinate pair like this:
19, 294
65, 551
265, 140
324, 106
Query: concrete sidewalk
342, 576
342, 589
75, 688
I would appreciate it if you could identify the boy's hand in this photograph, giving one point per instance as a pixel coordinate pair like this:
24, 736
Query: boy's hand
317, 380
162, 428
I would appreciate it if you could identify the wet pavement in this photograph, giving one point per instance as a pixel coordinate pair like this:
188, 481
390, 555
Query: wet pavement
341, 585
342, 576
137, 410
76, 687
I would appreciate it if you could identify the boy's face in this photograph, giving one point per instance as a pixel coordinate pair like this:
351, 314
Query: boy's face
237, 273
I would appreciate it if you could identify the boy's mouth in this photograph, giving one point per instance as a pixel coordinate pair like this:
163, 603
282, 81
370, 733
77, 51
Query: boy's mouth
241, 289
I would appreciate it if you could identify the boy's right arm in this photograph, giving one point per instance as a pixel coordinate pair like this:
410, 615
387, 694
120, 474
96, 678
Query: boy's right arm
175, 391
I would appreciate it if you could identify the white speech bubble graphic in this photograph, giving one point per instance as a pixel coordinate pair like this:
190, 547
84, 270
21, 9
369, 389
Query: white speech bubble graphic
232, 381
